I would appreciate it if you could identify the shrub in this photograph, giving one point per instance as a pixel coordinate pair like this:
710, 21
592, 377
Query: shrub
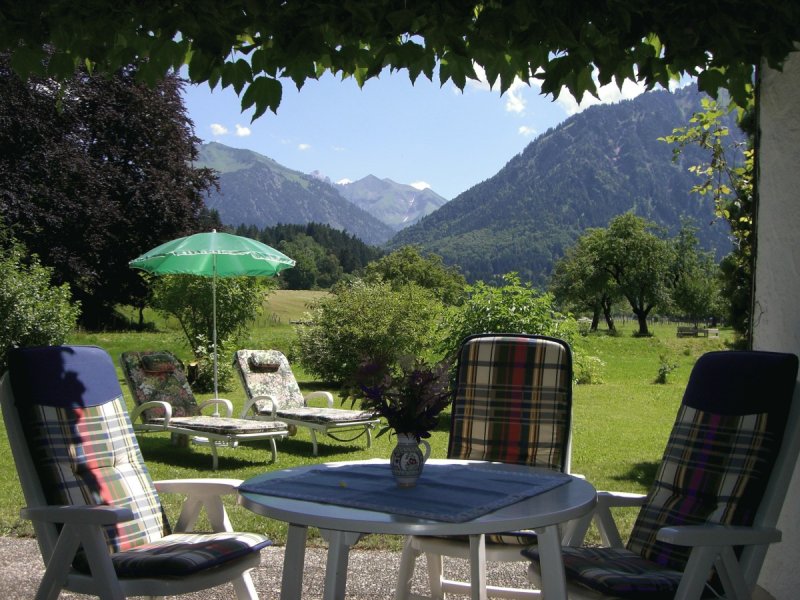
367, 321
32, 312
665, 367
588, 370
511, 308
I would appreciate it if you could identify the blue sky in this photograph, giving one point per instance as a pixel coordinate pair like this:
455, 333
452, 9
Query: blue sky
422, 134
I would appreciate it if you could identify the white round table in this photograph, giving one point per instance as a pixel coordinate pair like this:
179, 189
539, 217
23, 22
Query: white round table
343, 526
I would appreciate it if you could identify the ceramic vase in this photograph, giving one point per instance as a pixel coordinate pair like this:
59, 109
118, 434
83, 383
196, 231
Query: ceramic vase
408, 459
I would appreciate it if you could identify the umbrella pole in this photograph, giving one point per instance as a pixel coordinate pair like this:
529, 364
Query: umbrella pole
214, 319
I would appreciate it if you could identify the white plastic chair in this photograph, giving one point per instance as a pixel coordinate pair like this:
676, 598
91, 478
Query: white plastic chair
512, 403
96, 513
712, 510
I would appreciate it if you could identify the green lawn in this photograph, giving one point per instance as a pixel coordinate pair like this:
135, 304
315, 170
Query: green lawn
619, 427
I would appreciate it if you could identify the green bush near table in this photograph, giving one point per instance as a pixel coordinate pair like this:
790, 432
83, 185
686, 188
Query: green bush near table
620, 427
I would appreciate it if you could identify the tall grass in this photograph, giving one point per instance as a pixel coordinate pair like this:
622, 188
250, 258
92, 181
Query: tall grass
619, 427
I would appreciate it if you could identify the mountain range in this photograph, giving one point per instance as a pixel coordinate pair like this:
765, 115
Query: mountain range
396, 204
256, 190
600, 163
597, 164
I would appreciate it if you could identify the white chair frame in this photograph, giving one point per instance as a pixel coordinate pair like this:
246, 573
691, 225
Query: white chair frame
83, 526
711, 545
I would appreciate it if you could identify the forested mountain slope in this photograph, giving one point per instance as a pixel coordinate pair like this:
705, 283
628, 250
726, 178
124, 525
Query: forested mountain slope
598, 164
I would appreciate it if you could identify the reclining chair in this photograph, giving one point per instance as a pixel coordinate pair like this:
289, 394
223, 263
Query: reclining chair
273, 393
710, 515
97, 514
165, 402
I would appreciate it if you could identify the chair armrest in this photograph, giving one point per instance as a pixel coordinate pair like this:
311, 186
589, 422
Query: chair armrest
717, 535
139, 410
199, 486
575, 532
327, 396
78, 515
251, 404
216, 402
620, 499
200, 494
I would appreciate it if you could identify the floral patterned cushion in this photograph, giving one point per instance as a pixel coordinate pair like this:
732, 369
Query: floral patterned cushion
278, 383
159, 376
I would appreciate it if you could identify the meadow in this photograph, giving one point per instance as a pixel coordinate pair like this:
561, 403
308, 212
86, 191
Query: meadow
620, 426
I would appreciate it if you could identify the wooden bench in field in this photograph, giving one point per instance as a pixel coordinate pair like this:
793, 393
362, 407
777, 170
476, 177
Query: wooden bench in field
695, 332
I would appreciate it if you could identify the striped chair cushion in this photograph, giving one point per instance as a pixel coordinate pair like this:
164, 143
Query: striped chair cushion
89, 455
730, 458
513, 401
179, 555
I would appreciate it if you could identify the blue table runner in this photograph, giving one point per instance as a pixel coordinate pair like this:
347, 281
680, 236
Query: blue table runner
452, 493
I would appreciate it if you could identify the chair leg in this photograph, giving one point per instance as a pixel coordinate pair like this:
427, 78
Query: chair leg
244, 587
274, 448
214, 457
435, 575
405, 574
369, 436
314, 442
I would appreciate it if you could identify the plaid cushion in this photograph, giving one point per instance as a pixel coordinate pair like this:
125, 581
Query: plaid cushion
729, 456
513, 401
616, 572
164, 384
89, 456
524, 538
179, 555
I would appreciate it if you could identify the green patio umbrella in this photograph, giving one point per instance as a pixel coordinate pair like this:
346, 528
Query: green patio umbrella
213, 255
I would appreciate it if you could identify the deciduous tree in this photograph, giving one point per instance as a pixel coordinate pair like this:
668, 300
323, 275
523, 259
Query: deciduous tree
638, 261
579, 281
94, 173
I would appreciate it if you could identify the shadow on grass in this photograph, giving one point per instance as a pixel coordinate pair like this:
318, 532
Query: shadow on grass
642, 473
198, 457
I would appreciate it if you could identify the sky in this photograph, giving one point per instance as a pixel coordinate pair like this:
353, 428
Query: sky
423, 134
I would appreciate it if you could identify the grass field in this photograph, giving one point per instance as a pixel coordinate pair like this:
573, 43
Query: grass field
619, 427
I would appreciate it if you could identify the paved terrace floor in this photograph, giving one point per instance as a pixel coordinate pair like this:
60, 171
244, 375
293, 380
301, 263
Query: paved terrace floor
371, 575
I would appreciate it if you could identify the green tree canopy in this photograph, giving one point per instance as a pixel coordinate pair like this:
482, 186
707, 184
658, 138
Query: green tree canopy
695, 287
252, 46
32, 312
638, 262
581, 283
408, 265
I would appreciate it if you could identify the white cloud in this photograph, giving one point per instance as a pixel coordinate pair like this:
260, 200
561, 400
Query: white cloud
526, 131
420, 185
242, 131
344, 181
303, 147
608, 94
217, 129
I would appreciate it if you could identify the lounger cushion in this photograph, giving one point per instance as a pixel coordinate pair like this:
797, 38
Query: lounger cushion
224, 425
159, 376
